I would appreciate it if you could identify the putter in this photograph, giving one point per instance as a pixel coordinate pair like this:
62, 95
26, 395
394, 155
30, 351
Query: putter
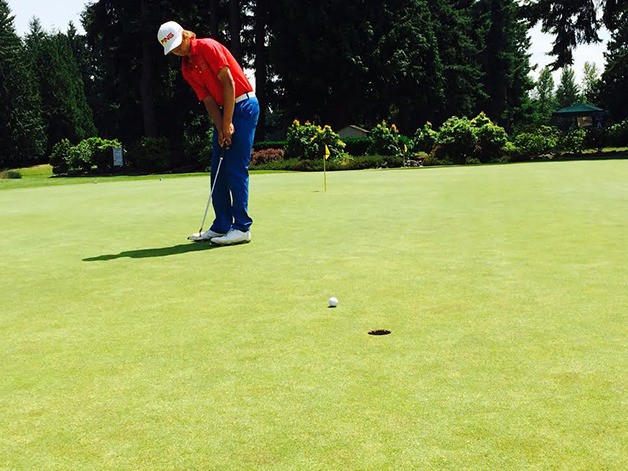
196, 237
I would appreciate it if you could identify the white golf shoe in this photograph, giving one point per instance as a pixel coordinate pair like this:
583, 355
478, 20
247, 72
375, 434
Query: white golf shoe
204, 236
232, 237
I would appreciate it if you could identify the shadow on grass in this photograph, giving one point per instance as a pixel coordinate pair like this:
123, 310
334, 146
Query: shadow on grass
156, 252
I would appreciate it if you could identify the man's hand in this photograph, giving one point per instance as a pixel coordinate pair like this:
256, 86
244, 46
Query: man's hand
225, 135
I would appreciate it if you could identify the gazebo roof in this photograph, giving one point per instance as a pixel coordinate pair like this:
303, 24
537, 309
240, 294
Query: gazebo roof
580, 108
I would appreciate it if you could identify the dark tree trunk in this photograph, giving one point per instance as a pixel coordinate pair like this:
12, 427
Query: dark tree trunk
235, 25
146, 81
261, 75
213, 19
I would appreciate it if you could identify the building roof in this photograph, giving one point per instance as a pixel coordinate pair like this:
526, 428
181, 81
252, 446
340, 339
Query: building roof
580, 108
357, 128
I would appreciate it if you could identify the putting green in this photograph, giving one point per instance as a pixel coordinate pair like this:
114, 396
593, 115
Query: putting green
124, 346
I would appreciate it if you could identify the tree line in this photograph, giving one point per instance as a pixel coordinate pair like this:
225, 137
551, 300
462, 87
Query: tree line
335, 62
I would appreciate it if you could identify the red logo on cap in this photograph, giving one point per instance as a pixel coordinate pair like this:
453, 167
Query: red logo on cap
167, 38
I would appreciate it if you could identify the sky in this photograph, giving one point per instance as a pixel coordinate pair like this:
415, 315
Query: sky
55, 15
542, 44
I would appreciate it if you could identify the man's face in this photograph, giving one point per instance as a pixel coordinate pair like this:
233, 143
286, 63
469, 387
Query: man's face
182, 49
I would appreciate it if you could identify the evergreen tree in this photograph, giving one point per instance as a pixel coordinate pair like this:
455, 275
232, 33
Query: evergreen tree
350, 61
407, 69
261, 63
590, 82
573, 22
235, 28
459, 47
505, 60
614, 81
544, 100
64, 108
567, 93
135, 91
22, 137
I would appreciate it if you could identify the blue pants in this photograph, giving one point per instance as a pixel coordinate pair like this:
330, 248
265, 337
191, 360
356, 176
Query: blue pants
231, 193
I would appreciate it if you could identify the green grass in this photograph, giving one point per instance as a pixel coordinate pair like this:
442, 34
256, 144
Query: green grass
41, 175
505, 287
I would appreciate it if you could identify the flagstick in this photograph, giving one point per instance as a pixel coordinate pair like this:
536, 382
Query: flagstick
325, 172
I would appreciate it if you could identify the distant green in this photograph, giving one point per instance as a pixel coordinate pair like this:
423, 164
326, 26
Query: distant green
123, 346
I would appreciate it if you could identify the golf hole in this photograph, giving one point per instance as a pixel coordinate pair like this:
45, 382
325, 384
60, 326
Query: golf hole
379, 332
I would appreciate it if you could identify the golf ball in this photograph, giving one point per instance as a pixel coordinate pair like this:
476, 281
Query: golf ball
333, 302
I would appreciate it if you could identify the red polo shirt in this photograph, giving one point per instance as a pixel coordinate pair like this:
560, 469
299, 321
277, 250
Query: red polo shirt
200, 70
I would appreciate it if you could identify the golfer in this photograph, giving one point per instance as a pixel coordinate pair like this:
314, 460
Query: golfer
220, 83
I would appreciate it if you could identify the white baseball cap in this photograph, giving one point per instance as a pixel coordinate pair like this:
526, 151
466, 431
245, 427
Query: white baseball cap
170, 36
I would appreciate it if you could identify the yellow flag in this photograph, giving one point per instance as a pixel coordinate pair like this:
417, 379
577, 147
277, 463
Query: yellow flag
405, 149
327, 153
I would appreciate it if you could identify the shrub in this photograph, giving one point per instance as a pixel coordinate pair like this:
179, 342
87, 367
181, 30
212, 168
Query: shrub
456, 141
357, 145
596, 139
197, 144
573, 141
79, 158
150, 154
308, 141
101, 151
59, 157
491, 139
284, 164
533, 144
343, 162
385, 140
425, 138
375, 161
11, 175
438, 156
510, 153
305, 165
260, 157
74, 160
618, 134
269, 145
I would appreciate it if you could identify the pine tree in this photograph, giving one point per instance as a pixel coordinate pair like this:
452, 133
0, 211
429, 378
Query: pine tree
544, 100
261, 63
383, 63
614, 81
459, 46
573, 22
590, 82
64, 106
567, 93
22, 137
504, 59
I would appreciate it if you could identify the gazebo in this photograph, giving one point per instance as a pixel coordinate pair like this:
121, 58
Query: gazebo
582, 115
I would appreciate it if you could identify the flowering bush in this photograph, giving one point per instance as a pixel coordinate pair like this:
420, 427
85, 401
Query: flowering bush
385, 140
265, 156
307, 141
425, 138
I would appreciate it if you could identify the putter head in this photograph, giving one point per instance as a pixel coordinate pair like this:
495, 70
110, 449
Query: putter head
196, 237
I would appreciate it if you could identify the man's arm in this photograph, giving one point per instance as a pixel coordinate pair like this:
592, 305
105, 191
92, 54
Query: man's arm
214, 112
228, 90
